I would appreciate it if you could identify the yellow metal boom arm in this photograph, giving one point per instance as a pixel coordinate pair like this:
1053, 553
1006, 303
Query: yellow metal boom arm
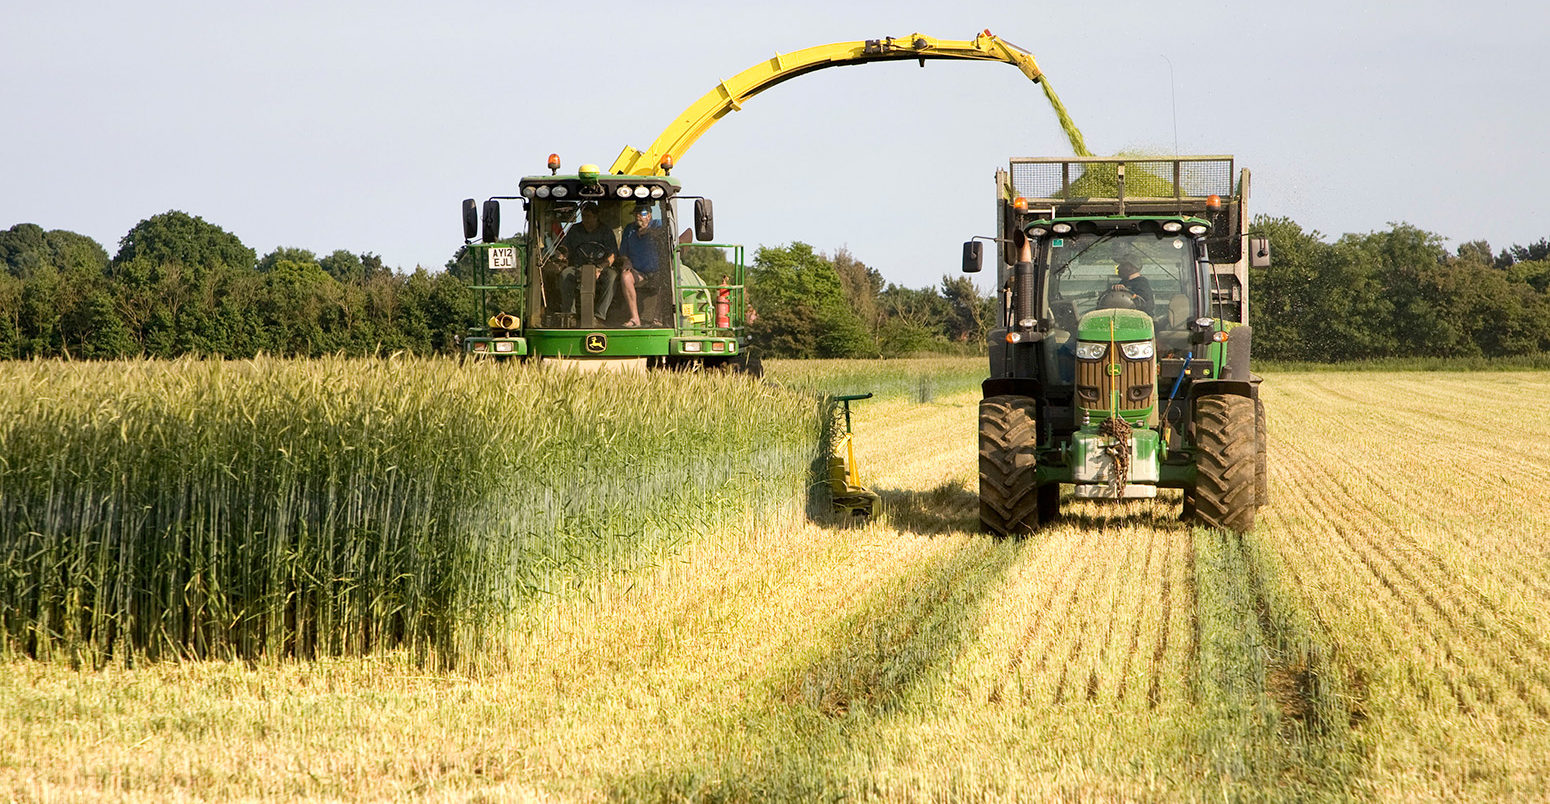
728, 96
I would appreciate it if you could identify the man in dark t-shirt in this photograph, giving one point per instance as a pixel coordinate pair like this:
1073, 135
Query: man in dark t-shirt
1131, 281
589, 246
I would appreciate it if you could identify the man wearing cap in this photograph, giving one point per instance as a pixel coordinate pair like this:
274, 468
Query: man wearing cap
1132, 282
589, 246
644, 253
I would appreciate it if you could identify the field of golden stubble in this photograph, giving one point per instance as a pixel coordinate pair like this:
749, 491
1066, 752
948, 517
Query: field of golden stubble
1410, 524
1380, 634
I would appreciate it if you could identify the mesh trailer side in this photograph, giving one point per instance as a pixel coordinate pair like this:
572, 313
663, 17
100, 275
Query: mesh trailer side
1066, 179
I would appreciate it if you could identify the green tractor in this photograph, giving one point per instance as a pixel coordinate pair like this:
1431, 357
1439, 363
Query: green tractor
560, 289
1121, 363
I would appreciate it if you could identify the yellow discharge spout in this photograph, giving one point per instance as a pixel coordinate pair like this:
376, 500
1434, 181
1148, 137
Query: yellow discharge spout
729, 95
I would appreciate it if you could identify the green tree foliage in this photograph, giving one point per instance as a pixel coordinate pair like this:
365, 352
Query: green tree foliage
802, 307
1534, 252
177, 237
1396, 293
181, 286
861, 285
707, 261
268, 262
970, 315
26, 248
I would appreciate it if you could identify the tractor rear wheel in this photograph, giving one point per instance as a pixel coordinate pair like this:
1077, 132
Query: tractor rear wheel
1261, 465
1225, 462
1010, 503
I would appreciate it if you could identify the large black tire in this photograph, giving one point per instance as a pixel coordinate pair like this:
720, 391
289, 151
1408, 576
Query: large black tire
1224, 462
1009, 501
1261, 449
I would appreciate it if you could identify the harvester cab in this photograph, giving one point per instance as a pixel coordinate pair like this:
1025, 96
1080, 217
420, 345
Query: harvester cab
1121, 363
599, 276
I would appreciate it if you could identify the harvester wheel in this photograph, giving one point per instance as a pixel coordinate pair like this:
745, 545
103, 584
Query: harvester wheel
1224, 462
1261, 470
1010, 503
749, 362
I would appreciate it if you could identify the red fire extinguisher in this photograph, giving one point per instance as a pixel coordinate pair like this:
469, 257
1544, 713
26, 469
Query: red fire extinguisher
724, 305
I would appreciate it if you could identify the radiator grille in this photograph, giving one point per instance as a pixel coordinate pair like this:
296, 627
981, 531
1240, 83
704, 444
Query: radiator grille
1094, 383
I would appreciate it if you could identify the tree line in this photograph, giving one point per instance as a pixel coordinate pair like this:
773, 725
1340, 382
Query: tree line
1396, 293
179, 285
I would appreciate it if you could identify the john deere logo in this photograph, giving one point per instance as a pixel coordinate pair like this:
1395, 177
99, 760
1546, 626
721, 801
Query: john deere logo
1114, 369
596, 343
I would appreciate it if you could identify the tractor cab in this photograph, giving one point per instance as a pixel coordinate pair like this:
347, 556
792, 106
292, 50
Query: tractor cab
581, 250
1152, 266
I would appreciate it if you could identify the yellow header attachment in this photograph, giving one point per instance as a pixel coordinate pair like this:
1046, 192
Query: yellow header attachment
728, 96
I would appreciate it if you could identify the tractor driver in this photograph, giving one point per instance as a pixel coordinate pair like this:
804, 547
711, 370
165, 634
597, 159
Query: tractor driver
644, 252
1133, 283
589, 246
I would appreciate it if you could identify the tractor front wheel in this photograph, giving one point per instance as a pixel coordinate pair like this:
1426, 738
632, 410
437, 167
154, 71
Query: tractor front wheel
1225, 461
1010, 503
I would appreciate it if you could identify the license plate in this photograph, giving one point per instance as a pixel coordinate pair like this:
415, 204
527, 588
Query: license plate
503, 258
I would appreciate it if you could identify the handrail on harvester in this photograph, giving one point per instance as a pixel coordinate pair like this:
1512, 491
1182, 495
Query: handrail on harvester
728, 96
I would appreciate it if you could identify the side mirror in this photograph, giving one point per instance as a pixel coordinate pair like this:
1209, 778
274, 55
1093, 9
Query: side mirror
973, 256
1259, 252
470, 219
492, 221
704, 221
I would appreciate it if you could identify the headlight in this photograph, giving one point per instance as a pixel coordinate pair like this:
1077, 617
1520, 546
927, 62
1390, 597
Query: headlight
527, 192
1198, 229
1091, 350
1061, 228
543, 191
560, 191
1038, 231
1139, 350
505, 346
1172, 226
1027, 323
642, 191
656, 192
623, 191
694, 346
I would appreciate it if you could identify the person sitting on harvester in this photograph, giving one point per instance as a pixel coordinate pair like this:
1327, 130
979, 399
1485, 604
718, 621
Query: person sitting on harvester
644, 249
1132, 282
589, 246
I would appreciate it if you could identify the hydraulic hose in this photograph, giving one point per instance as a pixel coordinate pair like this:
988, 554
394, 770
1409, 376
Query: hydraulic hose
1179, 380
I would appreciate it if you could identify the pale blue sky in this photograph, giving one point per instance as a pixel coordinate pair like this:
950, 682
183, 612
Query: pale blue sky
361, 125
